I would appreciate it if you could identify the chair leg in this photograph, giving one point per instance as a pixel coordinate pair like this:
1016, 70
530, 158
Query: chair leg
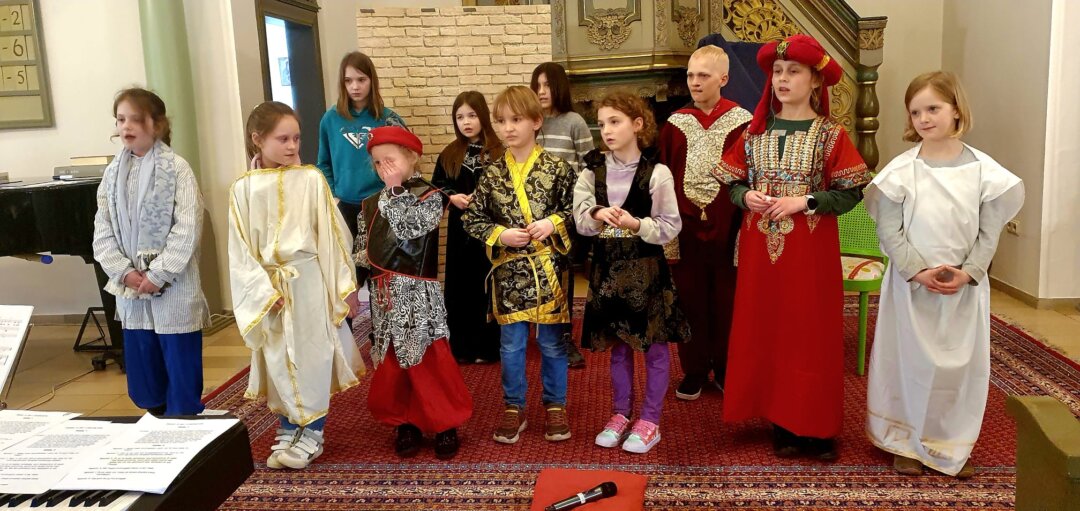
864, 304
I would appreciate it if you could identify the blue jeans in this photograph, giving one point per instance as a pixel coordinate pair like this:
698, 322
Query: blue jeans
552, 368
317, 425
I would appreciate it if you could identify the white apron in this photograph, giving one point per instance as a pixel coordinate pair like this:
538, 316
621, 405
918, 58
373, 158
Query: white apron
930, 364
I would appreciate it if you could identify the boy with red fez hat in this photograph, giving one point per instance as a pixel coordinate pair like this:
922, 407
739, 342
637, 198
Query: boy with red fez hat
691, 142
793, 171
417, 386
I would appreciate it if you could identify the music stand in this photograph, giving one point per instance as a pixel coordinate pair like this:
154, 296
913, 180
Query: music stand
13, 360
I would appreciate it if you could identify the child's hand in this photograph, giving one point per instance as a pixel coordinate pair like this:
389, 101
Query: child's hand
515, 237
133, 280
147, 287
950, 280
607, 215
354, 304
540, 229
391, 173
256, 161
627, 221
460, 200
278, 305
928, 278
757, 202
785, 207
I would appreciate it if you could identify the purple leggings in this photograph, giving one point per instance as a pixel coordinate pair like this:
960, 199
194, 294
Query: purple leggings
657, 369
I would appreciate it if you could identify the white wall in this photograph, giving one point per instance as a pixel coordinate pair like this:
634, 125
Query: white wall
913, 38
1003, 61
93, 49
1060, 261
221, 121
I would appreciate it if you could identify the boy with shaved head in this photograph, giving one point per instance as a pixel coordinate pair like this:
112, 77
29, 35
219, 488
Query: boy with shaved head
691, 143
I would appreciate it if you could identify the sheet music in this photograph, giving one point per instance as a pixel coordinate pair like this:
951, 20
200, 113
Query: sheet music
37, 463
147, 458
14, 320
17, 425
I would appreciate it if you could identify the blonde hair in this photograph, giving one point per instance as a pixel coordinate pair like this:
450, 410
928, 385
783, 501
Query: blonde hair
716, 54
521, 100
947, 86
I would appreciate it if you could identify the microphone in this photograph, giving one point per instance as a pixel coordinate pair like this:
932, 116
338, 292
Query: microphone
603, 491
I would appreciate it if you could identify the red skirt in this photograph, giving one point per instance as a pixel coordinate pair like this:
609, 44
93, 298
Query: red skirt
430, 395
786, 351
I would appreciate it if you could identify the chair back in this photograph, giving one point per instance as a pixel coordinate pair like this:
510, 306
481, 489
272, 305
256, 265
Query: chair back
858, 233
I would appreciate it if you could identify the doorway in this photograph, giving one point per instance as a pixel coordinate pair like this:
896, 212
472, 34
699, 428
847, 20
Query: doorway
292, 64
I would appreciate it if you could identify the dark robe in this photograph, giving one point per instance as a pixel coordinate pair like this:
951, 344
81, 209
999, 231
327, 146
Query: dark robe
473, 336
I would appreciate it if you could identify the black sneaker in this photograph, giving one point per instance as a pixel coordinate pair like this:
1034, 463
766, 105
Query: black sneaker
689, 389
785, 443
574, 359
823, 449
446, 444
408, 440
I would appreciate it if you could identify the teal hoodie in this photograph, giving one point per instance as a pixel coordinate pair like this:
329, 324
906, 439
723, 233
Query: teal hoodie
343, 154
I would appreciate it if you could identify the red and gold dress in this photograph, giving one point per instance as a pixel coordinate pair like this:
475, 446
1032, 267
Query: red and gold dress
785, 358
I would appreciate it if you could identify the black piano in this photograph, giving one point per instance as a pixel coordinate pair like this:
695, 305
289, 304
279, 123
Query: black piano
211, 477
58, 217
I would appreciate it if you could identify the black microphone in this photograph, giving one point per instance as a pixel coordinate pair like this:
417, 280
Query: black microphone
603, 491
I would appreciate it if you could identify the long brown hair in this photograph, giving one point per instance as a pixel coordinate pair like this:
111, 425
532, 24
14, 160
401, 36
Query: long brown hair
149, 104
558, 83
454, 153
262, 120
634, 107
363, 64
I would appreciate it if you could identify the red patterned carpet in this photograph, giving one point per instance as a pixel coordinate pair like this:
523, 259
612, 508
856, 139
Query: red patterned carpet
698, 464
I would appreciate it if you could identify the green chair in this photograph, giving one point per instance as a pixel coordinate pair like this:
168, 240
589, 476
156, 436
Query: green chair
863, 265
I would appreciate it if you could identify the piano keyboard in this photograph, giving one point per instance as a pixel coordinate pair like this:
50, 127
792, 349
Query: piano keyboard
101, 500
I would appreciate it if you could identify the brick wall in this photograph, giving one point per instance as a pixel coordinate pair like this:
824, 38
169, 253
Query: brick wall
426, 57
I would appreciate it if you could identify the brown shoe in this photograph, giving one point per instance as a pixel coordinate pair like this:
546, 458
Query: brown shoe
512, 424
967, 471
907, 466
557, 426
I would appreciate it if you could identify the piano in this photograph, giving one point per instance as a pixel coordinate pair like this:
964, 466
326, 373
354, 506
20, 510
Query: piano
58, 217
211, 477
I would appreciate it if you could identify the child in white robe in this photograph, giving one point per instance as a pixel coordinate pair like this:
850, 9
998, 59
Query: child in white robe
293, 284
940, 208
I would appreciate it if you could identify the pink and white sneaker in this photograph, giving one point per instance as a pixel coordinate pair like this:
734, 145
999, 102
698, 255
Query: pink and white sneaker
643, 436
614, 431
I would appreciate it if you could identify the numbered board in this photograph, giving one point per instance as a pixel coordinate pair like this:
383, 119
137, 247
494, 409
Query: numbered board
24, 88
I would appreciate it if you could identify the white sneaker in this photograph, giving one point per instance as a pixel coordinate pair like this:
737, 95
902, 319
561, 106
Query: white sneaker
614, 431
285, 439
307, 447
643, 437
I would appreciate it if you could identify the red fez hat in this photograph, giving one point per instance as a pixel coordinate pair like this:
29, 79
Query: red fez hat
395, 135
800, 48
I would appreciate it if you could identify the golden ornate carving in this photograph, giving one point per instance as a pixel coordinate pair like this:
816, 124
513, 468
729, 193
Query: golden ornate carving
558, 27
842, 104
872, 39
716, 15
661, 9
608, 28
758, 21
686, 20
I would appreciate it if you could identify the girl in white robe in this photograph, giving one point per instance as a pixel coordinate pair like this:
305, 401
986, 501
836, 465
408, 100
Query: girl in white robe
293, 284
940, 208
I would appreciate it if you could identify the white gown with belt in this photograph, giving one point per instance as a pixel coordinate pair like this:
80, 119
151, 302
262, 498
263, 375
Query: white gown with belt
288, 240
930, 365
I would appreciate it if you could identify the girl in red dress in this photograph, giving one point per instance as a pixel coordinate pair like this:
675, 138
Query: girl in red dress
794, 170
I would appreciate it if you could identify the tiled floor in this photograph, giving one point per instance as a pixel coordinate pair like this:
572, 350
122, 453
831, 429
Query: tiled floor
48, 360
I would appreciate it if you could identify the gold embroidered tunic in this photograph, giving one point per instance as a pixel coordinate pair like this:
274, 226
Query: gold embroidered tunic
527, 283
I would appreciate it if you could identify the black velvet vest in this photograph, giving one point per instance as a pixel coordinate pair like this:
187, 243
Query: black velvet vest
417, 257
